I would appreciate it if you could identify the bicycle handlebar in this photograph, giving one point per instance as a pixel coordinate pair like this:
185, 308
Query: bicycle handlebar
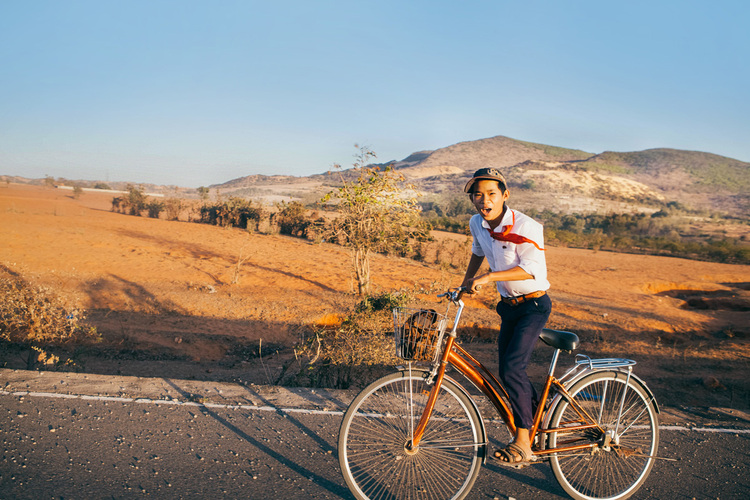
454, 294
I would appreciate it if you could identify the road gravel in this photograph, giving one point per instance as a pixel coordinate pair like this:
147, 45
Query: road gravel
80, 436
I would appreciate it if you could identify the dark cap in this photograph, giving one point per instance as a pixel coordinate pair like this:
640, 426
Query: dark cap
491, 174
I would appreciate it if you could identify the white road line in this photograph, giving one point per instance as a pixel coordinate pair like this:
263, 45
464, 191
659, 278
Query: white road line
703, 429
274, 409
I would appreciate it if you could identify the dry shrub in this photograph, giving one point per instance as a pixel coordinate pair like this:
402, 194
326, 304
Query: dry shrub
36, 315
350, 354
293, 220
154, 208
233, 212
173, 207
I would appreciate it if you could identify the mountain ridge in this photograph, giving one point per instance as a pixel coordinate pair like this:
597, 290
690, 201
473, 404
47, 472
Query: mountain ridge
642, 179
570, 180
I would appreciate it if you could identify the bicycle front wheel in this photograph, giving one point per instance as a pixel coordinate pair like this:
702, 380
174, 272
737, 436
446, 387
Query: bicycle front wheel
377, 427
624, 452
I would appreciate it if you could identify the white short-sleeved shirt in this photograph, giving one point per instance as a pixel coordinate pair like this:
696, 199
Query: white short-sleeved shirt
504, 255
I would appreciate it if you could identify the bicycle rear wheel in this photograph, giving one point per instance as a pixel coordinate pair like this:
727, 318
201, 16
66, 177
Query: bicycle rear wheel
376, 428
622, 459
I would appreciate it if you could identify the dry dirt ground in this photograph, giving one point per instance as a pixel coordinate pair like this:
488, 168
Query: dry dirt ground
192, 301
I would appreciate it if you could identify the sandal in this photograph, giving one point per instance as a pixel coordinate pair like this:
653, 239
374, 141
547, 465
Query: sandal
514, 456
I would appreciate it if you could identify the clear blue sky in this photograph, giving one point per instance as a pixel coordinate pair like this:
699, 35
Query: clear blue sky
195, 93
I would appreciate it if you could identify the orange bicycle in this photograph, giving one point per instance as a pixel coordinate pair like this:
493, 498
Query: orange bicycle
418, 434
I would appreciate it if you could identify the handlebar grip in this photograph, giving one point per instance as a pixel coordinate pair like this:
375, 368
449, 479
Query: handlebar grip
453, 294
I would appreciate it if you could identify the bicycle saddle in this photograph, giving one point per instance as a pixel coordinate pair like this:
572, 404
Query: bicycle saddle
567, 341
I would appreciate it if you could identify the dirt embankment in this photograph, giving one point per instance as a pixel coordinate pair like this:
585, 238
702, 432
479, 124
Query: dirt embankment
180, 299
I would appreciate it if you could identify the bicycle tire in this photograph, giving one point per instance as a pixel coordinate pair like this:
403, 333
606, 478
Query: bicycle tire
376, 427
607, 472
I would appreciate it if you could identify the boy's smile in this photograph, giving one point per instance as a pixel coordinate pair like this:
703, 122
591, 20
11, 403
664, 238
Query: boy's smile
489, 200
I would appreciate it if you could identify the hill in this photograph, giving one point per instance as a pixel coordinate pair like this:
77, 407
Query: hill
574, 180
571, 180
469, 156
690, 177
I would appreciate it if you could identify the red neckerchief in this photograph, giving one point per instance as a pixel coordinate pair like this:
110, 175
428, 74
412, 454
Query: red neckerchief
506, 235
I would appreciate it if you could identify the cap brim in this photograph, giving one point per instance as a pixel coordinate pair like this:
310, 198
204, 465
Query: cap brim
482, 178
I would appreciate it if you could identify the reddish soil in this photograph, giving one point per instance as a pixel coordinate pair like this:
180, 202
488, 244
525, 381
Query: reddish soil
180, 299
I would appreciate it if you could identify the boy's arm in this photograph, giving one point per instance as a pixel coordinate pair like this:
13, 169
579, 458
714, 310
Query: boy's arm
473, 284
515, 274
471, 270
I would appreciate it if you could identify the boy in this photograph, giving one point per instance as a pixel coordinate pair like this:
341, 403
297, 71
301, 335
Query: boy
513, 245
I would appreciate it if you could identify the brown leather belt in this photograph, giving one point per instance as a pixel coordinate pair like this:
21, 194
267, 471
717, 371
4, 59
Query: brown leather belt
514, 301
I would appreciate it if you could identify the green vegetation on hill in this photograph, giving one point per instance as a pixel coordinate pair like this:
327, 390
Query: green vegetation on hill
658, 234
708, 170
554, 152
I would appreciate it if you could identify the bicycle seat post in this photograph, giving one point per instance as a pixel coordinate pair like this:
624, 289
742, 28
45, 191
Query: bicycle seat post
553, 363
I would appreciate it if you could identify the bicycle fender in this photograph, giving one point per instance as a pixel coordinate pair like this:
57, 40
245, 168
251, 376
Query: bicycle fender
648, 391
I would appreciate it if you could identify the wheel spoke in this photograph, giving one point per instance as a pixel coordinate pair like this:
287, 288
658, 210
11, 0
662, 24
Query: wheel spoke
377, 427
617, 470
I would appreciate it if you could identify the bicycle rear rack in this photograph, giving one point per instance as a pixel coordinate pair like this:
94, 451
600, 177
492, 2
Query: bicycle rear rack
598, 364
585, 364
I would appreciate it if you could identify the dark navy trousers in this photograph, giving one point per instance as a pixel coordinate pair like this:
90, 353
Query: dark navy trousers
519, 332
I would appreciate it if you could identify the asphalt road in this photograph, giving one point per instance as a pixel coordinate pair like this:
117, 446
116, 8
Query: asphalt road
63, 446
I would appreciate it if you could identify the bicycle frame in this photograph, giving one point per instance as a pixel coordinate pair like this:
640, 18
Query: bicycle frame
454, 355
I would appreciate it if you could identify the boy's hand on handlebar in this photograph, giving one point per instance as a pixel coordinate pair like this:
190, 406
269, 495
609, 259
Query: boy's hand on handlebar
471, 287
454, 294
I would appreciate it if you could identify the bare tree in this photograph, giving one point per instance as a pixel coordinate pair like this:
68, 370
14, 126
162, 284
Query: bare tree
378, 212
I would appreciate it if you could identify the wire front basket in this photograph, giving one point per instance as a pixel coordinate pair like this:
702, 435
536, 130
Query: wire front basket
418, 333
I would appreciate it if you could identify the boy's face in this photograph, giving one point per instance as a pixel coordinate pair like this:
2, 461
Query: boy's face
489, 199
